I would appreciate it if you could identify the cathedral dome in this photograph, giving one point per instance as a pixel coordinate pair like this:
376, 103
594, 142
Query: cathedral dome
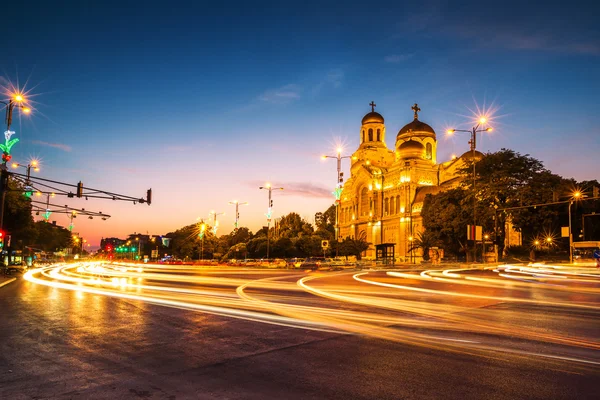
468, 156
372, 117
411, 149
416, 127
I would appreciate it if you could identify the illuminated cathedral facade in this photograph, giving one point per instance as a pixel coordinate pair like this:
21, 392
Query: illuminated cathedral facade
381, 202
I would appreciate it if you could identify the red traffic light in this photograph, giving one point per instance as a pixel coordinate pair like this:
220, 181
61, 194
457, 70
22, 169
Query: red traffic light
1, 234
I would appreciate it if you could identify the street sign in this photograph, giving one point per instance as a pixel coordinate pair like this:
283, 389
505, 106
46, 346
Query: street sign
325, 244
564, 231
474, 232
154, 254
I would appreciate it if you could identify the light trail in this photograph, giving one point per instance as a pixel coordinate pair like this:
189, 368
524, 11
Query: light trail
457, 310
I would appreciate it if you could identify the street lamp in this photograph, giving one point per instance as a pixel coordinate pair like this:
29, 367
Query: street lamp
269, 213
201, 234
16, 100
215, 222
32, 164
576, 196
338, 191
237, 212
473, 143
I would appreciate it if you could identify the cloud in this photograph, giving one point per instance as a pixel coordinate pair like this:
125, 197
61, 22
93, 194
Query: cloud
301, 189
282, 95
60, 146
335, 77
306, 189
397, 58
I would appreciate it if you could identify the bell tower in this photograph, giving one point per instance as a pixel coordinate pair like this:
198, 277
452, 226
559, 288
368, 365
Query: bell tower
372, 130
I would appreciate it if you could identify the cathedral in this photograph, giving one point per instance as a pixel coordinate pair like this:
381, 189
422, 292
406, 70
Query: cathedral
381, 202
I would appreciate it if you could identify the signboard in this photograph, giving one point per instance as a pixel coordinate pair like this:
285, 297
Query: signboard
474, 232
325, 244
154, 254
564, 231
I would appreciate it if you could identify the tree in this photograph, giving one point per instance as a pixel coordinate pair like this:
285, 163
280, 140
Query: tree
18, 221
446, 216
325, 222
292, 225
424, 241
353, 247
507, 179
51, 238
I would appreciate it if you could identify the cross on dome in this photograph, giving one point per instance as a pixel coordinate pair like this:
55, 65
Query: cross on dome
373, 105
416, 109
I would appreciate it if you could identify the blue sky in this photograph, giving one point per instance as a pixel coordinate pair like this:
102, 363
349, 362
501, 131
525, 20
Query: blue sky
204, 103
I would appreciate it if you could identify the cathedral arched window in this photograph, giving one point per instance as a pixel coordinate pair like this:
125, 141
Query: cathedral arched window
363, 136
379, 135
364, 202
387, 206
428, 151
370, 135
398, 203
392, 204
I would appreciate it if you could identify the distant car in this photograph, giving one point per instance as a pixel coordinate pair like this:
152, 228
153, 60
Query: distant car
311, 263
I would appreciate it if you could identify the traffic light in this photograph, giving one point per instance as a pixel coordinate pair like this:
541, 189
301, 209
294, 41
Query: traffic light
149, 196
271, 205
80, 189
1, 239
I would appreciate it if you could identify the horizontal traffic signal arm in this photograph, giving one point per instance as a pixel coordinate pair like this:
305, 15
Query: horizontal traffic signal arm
48, 186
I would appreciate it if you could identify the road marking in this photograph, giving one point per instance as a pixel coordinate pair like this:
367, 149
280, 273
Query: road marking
8, 281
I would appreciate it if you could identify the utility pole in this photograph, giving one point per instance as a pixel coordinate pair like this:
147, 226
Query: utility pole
269, 213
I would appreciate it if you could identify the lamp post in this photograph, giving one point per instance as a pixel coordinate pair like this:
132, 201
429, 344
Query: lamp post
576, 196
137, 239
338, 191
16, 100
202, 229
215, 222
473, 142
269, 213
237, 211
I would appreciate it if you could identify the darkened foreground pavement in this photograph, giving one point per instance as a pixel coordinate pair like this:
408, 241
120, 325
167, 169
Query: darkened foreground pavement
77, 344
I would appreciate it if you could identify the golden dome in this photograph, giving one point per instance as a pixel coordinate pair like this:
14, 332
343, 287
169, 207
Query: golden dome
411, 149
468, 156
372, 117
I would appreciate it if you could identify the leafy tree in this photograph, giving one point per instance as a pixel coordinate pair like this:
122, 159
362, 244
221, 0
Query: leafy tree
18, 221
309, 246
50, 237
292, 225
352, 247
446, 216
425, 241
325, 222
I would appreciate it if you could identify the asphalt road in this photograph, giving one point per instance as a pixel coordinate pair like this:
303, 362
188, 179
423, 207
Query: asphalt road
104, 333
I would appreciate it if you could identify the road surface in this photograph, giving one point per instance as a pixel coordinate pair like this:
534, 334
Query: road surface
99, 331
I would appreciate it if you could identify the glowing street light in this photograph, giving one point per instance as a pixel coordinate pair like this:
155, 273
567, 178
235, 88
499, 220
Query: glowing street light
338, 190
269, 213
576, 195
215, 222
473, 142
237, 211
15, 100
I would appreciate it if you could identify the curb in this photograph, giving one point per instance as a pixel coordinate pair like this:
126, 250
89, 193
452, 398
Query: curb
8, 281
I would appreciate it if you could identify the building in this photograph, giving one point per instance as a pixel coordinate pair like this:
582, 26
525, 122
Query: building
381, 202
